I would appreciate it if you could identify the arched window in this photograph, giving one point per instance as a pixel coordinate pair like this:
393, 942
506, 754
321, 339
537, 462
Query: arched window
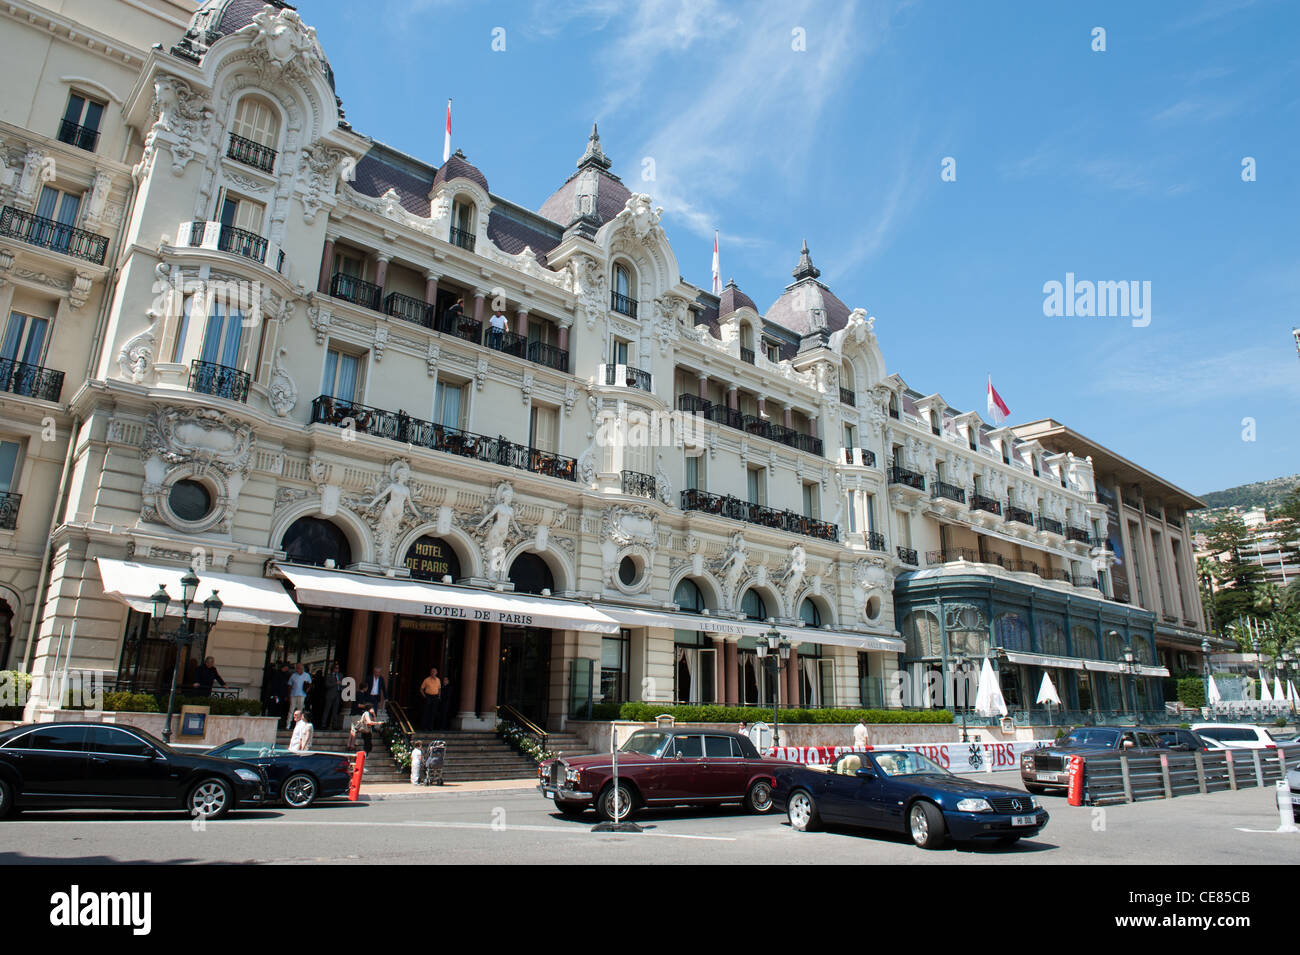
809, 614
1085, 642
257, 121
688, 596
462, 223
752, 605
1011, 632
623, 292
1051, 637
1141, 648
530, 575
314, 540
1114, 646
921, 631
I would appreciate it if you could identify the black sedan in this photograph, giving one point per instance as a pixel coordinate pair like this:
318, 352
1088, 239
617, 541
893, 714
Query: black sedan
296, 779
102, 766
905, 792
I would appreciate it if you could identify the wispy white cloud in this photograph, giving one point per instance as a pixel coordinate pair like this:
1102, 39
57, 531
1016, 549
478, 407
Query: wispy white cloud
1192, 374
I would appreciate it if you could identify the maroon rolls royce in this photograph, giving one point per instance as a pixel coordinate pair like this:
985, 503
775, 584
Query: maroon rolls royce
663, 767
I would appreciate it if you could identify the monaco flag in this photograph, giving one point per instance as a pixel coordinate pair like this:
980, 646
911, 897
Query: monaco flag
446, 138
998, 409
717, 273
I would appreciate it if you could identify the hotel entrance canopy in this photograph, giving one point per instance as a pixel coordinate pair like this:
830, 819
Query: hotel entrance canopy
253, 600
321, 587
726, 626
1074, 663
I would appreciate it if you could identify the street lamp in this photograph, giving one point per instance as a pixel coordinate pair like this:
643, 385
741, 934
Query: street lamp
1130, 666
1205, 668
779, 651
186, 631
962, 666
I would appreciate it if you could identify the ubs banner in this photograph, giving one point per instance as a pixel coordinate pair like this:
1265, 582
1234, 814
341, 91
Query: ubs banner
431, 558
978, 757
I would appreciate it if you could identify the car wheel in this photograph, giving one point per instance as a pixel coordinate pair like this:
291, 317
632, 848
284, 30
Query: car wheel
299, 791
802, 812
210, 799
570, 809
6, 800
925, 823
1035, 789
612, 799
759, 798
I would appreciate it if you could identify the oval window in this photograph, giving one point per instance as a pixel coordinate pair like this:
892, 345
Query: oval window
189, 501
627, 571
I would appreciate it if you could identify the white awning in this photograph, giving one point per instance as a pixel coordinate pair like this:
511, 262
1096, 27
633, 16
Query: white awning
725, 626
1041, 660
317, 586
253, 600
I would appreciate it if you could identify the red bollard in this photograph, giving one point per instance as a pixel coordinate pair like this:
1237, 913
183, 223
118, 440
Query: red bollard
1076, 781
354, 788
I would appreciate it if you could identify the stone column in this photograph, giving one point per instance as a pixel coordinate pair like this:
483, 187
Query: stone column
357, 649
733, 398
384, 644
381, 274
762, 406
790, 692
732, 667
491, 671
478, 306
431, 288
788, 417
720, 669
326, 265
812, 426
521, 323
564, 338
469, 672
704, 387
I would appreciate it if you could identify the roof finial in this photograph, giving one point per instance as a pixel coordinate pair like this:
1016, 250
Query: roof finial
805, 269
594, 155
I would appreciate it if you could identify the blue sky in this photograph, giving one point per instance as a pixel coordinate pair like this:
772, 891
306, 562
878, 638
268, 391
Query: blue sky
1119, 165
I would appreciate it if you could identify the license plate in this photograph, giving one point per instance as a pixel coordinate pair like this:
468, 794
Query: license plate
1049, 777
1023, 821
548, 795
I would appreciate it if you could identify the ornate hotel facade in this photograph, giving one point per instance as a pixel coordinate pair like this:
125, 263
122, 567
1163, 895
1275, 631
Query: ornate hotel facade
400, 421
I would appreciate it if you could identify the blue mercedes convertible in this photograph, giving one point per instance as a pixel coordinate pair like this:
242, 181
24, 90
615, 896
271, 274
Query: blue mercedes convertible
903, 791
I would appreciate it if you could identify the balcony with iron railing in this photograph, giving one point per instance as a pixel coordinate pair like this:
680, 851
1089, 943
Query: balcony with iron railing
551, 356
848, 397
950, 554
1050, 526
736, 509
220, 381
1083, 580
864, 457
1057, 573
906, 477
980, 502
751, 424
1022, 567
623, 304
30, 381
401, 427
83, 137
251, 153
1018, 514
55, 236
908, 556
1154, 511
349, 288
1077, 534
409, 309
747, 355
638, 484
234, 241
951, 491
508, 343
9, 510
459, 326
628, 376
462, 238
893, 413
876, 540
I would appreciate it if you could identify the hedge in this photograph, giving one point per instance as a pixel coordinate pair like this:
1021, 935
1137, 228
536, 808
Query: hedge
646, 713
15, 687
123, 701
1191, 691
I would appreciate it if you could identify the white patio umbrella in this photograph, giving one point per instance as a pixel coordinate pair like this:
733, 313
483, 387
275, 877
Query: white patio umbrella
1279, 694
1214, 695
1264, 695
1047, 691
988, 698
1291, 696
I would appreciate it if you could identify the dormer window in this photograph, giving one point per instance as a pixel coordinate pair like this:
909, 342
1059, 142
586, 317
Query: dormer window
1006, 451
462, 224
893, 406
623, 294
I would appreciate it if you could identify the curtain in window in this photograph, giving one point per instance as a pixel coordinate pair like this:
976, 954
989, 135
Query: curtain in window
687, 664
447, 402
24, 338
222, 337
349, 367
810, 670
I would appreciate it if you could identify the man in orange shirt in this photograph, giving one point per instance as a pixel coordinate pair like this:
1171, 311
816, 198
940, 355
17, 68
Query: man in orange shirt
431, 690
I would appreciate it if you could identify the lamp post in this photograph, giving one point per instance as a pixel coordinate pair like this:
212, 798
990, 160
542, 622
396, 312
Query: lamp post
1205, 668
1292, 665
962, 666
185, 632
1130, 666
779, 651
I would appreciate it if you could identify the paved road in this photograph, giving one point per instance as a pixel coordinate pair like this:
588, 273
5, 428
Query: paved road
521, 827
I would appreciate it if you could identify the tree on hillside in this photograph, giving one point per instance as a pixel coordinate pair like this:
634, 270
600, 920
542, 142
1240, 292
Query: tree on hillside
1288, 513
1239, 581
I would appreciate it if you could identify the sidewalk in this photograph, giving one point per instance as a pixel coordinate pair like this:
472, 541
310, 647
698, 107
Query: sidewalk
381, 791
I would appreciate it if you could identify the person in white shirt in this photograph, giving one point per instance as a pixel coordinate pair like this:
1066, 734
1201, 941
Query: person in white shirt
300, 742
498, 323
860, 735
299, 680
417, 757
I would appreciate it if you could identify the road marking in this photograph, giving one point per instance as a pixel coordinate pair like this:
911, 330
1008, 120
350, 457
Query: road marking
1271, 832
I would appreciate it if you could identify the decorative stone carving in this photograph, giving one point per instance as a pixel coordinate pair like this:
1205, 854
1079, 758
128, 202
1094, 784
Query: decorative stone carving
182, 120
730, 570
570, 398
79, 291
319, 318
792, 577
637, 214
282, 45
380, 342
432, 356
316, 177
135, 360
870, 579
526, 388
669, 312
590, 284
282, 393
199, 444
663, 487
586, 467
480, 373
498, 529
390, 509
97, 202
628, 530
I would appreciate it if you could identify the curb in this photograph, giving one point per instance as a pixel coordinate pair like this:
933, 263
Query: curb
436, 793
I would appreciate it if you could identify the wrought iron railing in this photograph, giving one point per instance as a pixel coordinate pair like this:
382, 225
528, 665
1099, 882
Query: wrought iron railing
251, 153
506, 342
409, 309
747, 355
1057, 573
1019, 514
623, 304
459, 326
30, 381
980, 502
1022, 566
242, 242
865, 455
48, 234
1074, 533
220, 381
549, 355
951, 491
462, 238
908, 556
1050, 526
9, 509
642, 485
751, 424
876, 540
82, 137
736, 509
906, 477
1100, 542
848, 397
950, 554
399, 426
354, 290
632, 378
893, 413
1083, 580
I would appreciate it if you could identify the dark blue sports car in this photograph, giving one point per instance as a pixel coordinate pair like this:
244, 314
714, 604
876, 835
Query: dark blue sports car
905, 792
296, 779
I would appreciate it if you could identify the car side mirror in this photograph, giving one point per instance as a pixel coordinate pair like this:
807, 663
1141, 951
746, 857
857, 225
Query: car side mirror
866, 774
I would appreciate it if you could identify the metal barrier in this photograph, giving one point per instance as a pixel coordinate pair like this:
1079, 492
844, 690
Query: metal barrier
1119, 779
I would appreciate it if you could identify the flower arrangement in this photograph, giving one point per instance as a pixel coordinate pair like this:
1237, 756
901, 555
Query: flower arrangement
523, 741
397, 744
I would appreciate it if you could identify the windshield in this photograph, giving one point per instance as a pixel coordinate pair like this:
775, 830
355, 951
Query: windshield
243, 750
1090, 737
646, 743
908, 764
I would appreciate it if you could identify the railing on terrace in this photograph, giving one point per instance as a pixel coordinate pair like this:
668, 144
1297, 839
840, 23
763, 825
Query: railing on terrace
1057, 573
752, 424
951, 491
30, 381
413, 310
1022, 566
623, 304
399, 426
508, 343
349, 288
48, 234
1079, 534
848, 397
736, 509
220, 381
906, 477
631, 378
460, 327
642, 485
463, 239
1019, 514
876, 540
80, 136
980, 502
551, 356
907, 555
251, 154
1083, 580
747, 355
1050, 525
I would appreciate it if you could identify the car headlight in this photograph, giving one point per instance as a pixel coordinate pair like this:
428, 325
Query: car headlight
1033, 801
572, 775
974, 805
248, 776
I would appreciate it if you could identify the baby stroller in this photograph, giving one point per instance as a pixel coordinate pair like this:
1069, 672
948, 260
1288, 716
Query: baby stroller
434, 755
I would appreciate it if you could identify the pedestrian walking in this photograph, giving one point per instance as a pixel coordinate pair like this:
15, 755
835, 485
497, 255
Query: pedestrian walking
300, 742
860, 735
205, 675
333, 697
431, 692
363, 728
299, 680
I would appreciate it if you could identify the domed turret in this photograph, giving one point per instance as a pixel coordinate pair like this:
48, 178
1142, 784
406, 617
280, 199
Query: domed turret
459, 167
807, 305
